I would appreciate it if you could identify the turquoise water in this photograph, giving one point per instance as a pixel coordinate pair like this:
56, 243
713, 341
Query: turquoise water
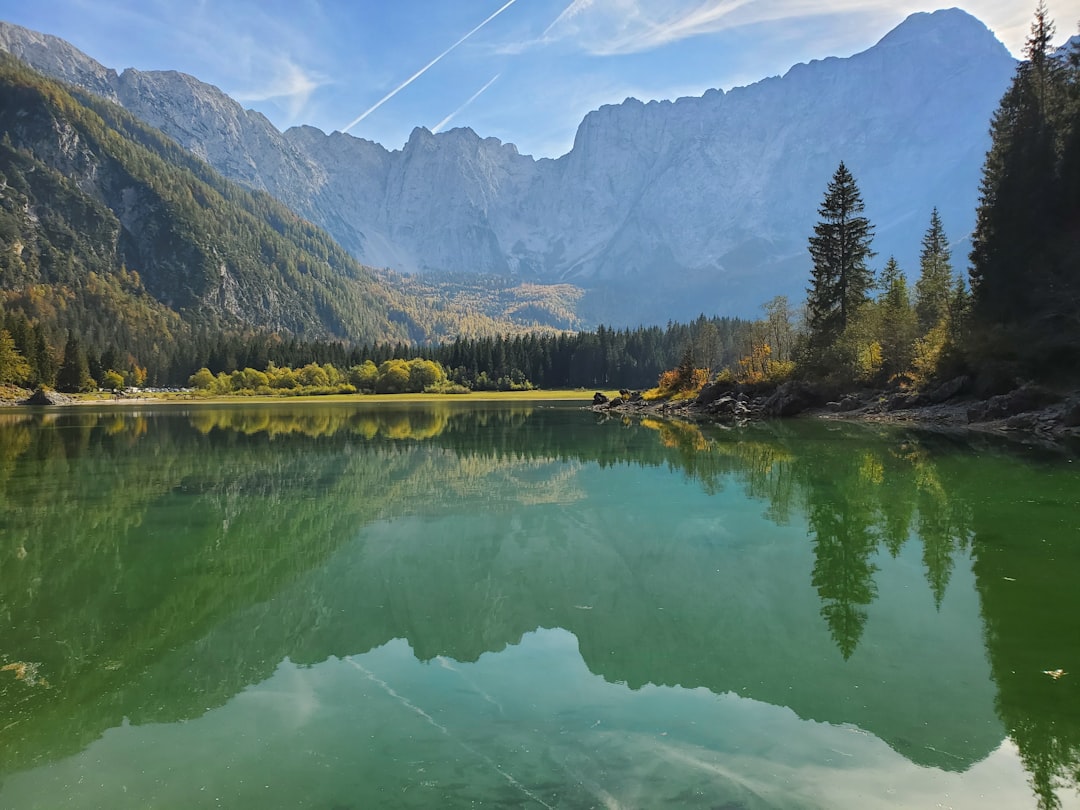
347, 606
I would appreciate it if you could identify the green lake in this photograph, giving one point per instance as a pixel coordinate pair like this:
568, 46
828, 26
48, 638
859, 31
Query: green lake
376, 606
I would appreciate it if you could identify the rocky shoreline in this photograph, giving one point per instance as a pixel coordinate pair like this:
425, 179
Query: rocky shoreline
1026, 410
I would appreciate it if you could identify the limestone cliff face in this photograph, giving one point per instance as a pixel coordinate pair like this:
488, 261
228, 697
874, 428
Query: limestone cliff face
713, 197
241, 144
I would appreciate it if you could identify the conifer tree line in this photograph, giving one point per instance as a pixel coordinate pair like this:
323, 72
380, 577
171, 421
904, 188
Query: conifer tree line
867, 328
1020, 317
605, 357
1025, 261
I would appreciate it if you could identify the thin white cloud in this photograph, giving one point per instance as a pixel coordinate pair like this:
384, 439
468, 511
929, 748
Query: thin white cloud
424, 69
551, 33
254, 57
290, 84
613, 27
438, 127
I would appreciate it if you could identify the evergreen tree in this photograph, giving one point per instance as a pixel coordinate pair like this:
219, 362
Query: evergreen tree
43, 365
1025, 287
934, 287
839, 248
898, 322
1012, 215
1045, 68
952, 360
706, 344
74, 375
685, 369
93, 366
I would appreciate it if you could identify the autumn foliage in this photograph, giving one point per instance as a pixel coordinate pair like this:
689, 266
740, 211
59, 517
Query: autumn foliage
681, 382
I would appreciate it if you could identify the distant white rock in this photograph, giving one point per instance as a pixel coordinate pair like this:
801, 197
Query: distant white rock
661, 209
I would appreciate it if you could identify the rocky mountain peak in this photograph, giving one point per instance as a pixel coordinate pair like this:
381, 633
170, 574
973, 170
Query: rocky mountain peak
59, 59
950, 28
662, 209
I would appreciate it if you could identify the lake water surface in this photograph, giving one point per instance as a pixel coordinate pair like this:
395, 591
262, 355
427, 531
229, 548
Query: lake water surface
366, 606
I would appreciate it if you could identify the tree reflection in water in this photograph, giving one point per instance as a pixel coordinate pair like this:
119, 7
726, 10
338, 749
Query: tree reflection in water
162, 526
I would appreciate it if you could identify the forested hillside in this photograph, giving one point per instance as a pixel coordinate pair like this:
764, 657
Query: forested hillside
88, 189
114, 235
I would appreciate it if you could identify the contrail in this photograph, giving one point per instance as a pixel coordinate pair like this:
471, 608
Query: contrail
472, 98
424, 69
572, 10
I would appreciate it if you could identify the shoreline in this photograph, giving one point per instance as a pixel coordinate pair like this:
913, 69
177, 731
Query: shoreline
1049, 423
172, 399
1028, 413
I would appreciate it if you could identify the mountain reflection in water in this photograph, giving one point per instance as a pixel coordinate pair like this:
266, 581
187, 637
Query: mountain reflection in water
157, 565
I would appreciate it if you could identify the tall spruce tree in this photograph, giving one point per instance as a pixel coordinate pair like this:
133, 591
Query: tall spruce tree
840, 279
956, 333
42, 363
74, 375
934, 288
898, 321
1024, 282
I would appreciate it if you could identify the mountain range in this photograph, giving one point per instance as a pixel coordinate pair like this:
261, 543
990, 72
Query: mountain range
660, 210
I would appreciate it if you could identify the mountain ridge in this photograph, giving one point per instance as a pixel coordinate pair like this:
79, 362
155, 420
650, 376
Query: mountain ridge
661, 209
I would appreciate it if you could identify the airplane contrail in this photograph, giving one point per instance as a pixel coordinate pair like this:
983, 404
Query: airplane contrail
423, 70
472, 98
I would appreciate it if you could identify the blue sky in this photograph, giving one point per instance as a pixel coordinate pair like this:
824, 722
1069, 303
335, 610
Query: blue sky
523, 71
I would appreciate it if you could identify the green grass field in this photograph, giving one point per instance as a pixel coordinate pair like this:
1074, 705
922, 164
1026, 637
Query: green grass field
580, 395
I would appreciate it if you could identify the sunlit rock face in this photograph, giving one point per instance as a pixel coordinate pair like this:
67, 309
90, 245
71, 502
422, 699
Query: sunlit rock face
662, 209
